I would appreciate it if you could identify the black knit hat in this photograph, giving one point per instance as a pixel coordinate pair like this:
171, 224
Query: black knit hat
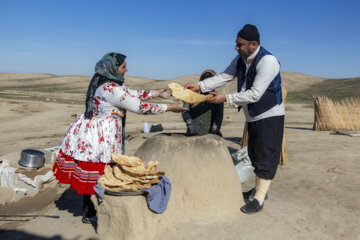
208, 73
250, 33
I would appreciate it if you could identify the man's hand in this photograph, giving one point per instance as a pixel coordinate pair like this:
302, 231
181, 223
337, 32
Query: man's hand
192, 86
163, 92
217, 98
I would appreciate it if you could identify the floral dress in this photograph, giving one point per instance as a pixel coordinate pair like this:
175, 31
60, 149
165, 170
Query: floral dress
89, 143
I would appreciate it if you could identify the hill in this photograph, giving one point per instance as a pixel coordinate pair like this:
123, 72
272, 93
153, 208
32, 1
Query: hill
51, 83
335, 89
300, 87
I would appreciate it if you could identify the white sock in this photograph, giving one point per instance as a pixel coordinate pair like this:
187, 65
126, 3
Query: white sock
262, 186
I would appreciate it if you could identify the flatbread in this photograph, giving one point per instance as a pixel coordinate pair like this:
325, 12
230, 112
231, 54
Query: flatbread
129, 174
187, 95
138, 171
108, 172
151, 165
124, 160
127, 178
118, 185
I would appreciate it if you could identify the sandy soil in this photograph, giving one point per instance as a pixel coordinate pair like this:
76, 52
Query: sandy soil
315, 195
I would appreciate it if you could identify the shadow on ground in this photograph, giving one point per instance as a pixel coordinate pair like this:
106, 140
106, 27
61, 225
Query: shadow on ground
70, 201
300, 128
20, 235
73, 203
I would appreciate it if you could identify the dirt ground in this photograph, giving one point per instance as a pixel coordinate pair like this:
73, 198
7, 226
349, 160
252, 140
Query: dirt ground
315, 195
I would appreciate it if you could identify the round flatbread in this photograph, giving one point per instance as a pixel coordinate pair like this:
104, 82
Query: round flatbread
187, 95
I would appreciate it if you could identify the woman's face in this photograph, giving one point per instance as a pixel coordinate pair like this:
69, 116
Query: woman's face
122, 69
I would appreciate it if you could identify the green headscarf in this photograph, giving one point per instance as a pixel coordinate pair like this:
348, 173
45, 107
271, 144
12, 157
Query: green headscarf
105, 71
108, 65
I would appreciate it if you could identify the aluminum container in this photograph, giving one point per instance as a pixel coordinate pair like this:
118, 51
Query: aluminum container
32, 158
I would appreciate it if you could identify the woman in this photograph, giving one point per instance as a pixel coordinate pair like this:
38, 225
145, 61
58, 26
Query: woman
204, 117
96, 134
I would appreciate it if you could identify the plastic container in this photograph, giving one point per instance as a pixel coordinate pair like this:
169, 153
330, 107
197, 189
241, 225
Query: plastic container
146, 128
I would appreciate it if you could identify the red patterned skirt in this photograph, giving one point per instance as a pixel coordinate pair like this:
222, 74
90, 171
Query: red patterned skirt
82, 176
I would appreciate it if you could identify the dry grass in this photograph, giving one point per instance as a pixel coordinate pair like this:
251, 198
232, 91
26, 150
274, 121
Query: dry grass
336, 115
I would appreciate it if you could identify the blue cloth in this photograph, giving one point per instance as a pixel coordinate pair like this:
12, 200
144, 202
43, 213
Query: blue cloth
99, 192
157, 197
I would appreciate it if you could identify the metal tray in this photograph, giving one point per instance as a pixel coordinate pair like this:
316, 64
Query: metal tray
125, 193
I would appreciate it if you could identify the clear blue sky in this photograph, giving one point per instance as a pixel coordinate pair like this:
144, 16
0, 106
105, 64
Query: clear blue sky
165, 39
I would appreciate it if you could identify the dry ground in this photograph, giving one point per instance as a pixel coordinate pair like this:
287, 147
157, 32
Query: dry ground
314, 196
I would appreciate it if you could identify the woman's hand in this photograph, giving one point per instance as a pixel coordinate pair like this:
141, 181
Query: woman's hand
175, 107
163, 92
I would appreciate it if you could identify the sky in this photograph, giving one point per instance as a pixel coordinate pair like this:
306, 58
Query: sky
166, 39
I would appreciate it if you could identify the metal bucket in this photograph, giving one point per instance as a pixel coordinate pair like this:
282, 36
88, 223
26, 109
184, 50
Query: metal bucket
32, 158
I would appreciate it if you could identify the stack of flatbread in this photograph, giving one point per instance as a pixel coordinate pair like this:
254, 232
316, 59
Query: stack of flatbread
129, 174
187, 95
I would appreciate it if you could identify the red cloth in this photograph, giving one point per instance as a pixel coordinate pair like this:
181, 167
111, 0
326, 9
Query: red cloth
82, 176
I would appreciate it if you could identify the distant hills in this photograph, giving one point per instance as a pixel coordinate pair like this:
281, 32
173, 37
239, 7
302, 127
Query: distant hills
300, 87
335, 89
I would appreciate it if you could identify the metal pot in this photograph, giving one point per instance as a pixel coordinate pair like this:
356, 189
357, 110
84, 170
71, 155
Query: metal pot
32, 158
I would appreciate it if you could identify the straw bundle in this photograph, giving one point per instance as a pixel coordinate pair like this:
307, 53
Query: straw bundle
331, 115
245, 139
283, 156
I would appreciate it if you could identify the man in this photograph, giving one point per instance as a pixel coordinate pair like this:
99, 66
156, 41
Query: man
203, 118
259, 94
